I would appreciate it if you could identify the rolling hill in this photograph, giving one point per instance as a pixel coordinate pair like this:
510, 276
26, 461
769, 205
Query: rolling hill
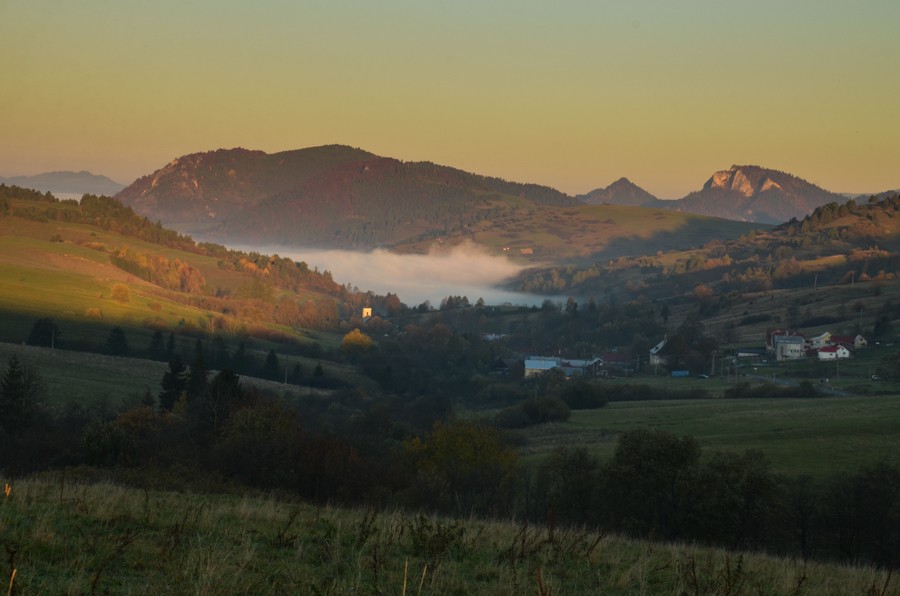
96, 264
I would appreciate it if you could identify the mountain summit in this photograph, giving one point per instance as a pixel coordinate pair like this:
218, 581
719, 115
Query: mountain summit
753, 193
621, 192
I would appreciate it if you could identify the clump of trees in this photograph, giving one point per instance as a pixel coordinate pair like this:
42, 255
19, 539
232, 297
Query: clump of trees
661, 486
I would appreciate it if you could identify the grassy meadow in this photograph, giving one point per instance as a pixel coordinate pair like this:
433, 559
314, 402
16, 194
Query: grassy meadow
64, 537
115, 383
815, 436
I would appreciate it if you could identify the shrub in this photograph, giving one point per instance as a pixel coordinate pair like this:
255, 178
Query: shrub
120, 293
583, 396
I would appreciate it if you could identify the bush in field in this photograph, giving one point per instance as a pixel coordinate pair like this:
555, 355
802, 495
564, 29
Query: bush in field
583, 396
259, 444
532, 411
461, 465
120, 293
566, 485
545, 409
647, 484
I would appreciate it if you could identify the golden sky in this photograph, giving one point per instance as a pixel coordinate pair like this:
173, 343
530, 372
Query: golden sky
571, 94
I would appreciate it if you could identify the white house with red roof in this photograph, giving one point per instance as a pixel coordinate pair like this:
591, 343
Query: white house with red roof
833, 353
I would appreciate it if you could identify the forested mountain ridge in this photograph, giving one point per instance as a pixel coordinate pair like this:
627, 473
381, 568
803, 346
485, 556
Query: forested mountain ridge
327, 196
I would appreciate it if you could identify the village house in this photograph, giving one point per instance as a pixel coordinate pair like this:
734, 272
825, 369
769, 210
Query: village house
833, 353
789, 347
854, 342
775, 335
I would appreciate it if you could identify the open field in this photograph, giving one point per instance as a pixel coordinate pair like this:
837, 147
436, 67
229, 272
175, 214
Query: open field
65, 537
117, 383
800, 436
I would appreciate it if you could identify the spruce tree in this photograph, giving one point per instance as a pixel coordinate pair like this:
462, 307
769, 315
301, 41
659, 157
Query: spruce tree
12, 395
116, 342
174, 383
271, 370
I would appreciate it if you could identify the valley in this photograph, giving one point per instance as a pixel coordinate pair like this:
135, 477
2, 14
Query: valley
139, 355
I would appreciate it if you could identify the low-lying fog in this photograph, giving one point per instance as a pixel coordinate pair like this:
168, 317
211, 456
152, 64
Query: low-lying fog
464, 271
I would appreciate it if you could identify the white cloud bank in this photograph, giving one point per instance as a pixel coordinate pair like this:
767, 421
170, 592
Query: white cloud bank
463, 271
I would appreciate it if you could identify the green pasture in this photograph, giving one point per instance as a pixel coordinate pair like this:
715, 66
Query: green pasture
87, 380
117, 383
800, 436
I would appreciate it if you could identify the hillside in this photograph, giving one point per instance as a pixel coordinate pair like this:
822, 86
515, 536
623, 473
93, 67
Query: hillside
96, 265
752, 193
66, 182
837, 245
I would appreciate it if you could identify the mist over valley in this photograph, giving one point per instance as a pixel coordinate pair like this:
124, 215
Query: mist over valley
465, 270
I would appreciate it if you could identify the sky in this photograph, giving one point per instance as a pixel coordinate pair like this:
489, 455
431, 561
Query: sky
572, 94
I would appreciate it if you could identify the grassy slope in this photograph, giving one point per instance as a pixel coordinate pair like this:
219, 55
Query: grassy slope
71, 282
64, 537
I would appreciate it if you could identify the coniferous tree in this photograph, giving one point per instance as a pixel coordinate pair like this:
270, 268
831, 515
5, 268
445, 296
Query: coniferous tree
12, 395
174, 383
239, 360
197, 377
116, 342
157, 348
20, 389
170, 347
272, 370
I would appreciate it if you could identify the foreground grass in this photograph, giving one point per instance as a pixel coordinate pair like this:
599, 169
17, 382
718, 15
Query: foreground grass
63, 537
815, 436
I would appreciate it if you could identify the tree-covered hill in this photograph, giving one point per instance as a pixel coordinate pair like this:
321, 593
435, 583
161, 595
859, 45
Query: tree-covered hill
97, 263
837, 243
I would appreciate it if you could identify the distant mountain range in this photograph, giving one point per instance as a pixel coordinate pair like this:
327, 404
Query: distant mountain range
338, 196
67, 182
742, 193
